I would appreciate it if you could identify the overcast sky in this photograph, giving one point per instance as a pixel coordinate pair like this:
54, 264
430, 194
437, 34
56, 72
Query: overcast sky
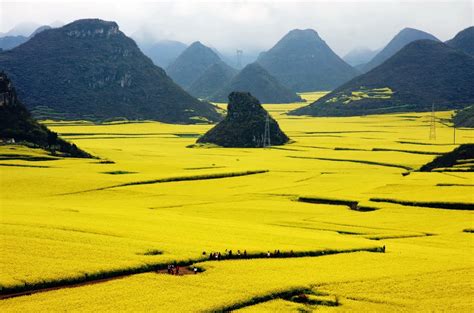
254, 24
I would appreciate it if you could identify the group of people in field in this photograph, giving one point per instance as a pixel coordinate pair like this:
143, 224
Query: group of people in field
174, 269
229, 254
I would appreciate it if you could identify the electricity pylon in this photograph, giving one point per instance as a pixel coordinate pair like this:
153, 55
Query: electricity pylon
433, 124
266, 133
239, 54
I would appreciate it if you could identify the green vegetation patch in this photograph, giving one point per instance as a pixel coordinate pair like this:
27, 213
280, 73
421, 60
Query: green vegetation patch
464, 117
356, 161
457, 160
176, 179
105, 162
152, 252
363, 93
24, 157
187, 135
353, 205
433, 205
24, 165
118, 172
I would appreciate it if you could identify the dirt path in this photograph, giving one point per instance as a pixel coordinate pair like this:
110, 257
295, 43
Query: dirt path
185, 269
182, 271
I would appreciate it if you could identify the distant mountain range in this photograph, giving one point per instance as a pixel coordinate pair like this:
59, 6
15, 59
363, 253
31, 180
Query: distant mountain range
359, 56
17, 124
423, 73
404, 37
302, 61
21, 29
89, 69
163, 52
464, 41
214, 78
11, 41
191, 64
247, 57
201, 71
256, 80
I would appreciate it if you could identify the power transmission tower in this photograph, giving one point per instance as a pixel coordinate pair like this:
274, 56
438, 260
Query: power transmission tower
433, 124
266, 134
238, 54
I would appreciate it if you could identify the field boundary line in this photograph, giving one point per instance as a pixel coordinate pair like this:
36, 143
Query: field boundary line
466, 206
172, 180
354, 161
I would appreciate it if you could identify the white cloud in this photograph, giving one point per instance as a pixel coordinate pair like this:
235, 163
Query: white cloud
254, 25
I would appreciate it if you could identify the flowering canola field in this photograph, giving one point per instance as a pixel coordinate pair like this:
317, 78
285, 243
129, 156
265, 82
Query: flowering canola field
146, 202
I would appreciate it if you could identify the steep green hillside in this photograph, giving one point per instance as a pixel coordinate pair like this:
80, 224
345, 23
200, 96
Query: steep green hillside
89, 69
17, 125
423, 73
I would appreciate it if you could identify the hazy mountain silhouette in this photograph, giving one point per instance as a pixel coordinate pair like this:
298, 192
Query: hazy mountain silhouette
404, 37
10, 42
39, 30
302, 61
191, 64
423, 73
89, 69
359, 56
212, 80
22, 29
255, 79
164, 52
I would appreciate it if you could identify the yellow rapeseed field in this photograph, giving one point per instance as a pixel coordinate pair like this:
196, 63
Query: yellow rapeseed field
70, 219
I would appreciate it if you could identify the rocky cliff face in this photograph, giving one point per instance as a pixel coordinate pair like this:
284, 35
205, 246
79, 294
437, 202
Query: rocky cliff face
244, 125
17, 125
7, 92
92, 28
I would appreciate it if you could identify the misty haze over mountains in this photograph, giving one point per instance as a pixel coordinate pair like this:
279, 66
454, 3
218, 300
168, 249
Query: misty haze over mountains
300, 61
254, 26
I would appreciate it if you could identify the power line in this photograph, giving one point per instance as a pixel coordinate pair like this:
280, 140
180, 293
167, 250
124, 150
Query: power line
433, 123
266, 133
238, 54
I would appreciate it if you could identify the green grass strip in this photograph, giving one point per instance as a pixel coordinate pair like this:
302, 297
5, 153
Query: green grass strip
286, 294
434, 204
356, 161
174, 179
